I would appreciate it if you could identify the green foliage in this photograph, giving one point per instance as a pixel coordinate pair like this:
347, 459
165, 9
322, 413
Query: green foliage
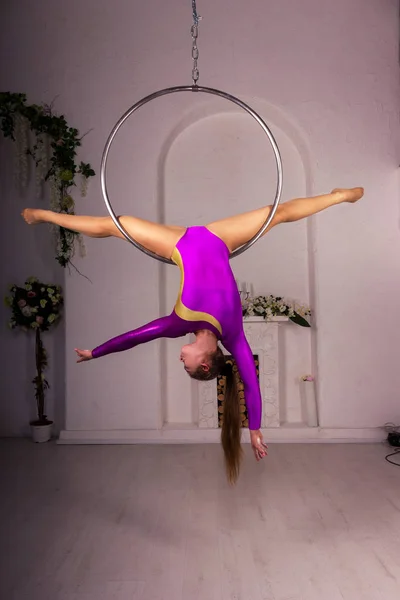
299, 320
64, 142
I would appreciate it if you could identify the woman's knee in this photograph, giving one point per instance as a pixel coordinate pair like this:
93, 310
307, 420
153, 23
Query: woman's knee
280, 215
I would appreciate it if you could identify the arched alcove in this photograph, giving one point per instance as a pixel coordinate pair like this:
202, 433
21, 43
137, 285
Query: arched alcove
215, 163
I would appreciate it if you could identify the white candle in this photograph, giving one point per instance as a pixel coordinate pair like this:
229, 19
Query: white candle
309, 403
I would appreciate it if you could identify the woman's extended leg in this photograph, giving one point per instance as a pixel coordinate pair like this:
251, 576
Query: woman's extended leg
156, 237
237, 230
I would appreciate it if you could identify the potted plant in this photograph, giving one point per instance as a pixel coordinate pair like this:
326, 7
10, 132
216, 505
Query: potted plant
36, 307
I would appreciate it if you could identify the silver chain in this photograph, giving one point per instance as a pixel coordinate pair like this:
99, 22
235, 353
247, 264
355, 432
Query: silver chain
195, 51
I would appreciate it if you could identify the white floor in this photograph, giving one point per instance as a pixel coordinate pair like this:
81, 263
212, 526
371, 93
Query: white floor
160, 523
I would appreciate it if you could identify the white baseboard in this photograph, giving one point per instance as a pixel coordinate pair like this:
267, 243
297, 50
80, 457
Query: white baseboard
183, 434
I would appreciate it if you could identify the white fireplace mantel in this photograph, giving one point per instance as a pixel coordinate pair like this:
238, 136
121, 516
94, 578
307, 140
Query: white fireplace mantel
264, 341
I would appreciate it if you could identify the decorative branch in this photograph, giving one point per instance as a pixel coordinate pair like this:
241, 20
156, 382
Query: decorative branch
41, 384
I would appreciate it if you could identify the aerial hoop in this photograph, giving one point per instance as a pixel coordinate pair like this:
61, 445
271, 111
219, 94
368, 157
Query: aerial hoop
196, 89
194, 31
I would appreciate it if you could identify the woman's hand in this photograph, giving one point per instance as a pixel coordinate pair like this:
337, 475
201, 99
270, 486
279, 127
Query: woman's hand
257, 443
83, 355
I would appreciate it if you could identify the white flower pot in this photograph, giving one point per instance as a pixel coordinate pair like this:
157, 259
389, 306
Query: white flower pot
41, 433
309, 403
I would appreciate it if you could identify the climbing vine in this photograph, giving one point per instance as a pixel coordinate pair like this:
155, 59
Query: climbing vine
52, 146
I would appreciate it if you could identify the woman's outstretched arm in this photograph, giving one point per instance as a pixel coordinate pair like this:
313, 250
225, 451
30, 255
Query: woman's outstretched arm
240, 349
171, 326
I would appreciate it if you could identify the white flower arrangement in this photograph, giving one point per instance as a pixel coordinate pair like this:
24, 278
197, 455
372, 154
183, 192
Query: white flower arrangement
34, 305
276, 306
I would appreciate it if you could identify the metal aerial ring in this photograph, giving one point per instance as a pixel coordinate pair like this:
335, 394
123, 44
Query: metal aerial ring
197, 89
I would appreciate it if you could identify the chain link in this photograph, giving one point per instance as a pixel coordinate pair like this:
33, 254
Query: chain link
196, 17
195, 51
195, 54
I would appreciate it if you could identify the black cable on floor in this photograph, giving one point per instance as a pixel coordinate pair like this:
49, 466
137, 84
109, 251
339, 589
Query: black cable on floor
393, 454
393, 439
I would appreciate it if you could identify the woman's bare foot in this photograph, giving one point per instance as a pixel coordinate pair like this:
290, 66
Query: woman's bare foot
349, 195
32, 216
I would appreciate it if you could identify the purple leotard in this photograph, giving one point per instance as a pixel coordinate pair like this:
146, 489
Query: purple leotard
208, 299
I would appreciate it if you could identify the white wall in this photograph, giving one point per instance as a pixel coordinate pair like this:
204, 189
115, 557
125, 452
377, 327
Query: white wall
330, 70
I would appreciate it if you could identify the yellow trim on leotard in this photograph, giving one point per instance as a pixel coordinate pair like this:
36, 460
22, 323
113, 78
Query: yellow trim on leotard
183, 311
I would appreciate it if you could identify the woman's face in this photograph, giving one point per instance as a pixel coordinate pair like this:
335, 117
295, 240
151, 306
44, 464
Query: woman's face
192, 358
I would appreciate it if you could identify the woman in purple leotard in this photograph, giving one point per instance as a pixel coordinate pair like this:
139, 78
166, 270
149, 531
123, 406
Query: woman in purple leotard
208, 302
